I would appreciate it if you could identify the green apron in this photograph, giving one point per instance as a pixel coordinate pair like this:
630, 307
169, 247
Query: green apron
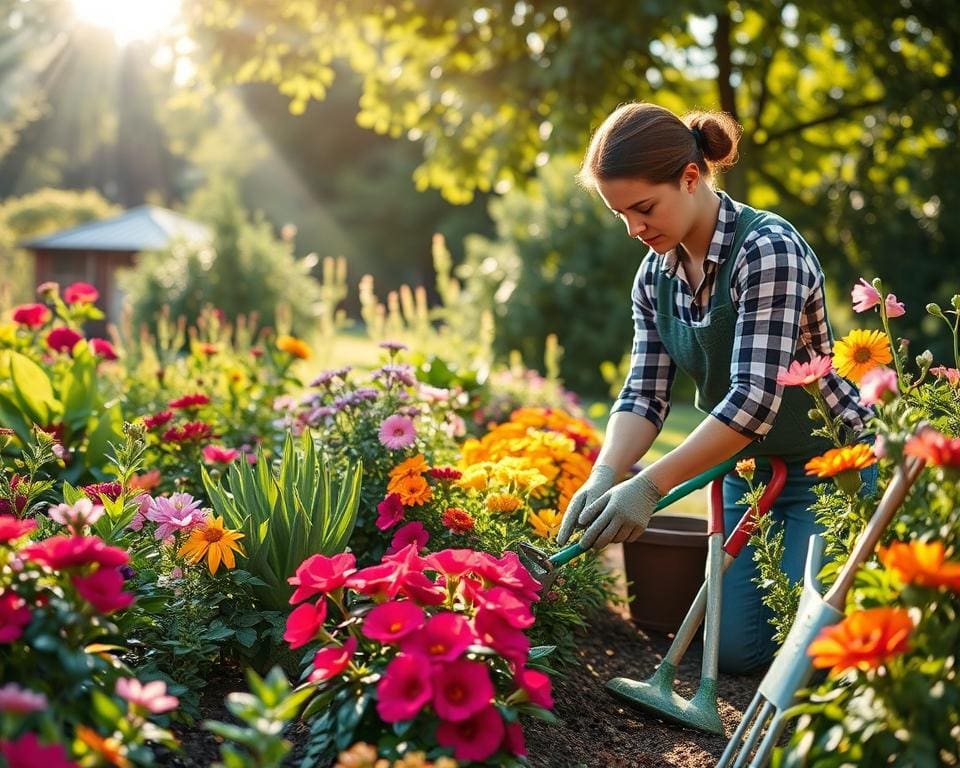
704, 353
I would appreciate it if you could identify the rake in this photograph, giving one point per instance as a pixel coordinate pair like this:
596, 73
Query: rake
764, 720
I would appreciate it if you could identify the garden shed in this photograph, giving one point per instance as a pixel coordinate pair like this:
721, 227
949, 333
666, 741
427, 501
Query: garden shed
93, 252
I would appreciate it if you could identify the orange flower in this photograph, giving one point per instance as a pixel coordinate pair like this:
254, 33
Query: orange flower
294, 346
746, 468
503, 502
110, 751
921, 563
415, 465
214, 541
934, 448
546, 523
147, 481
863, 640
413, 490
837, 460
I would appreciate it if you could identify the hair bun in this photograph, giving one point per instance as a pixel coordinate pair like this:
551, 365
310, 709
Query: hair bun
719, 137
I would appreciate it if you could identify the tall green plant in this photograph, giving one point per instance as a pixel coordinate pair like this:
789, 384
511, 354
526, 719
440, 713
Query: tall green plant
286, 513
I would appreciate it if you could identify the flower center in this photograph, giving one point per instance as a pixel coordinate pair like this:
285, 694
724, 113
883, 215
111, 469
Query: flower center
862, 355
396, 626
212, 534
437, 648
456, 694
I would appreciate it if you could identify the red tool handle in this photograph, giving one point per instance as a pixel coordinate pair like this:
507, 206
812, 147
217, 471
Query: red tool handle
715, 522
744, 530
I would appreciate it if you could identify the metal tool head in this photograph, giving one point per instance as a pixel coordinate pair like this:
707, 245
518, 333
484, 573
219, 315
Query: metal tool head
656, 697
538, 563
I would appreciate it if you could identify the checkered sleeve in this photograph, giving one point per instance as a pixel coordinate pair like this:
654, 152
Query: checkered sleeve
646, 390
772, 281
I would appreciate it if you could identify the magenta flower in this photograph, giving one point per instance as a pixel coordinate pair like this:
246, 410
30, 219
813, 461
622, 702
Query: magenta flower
27, 752
103, 589
304, 623
404, 689
476, 738
419, 588
454, 562
62, 339
894, 308
390, 622
31, 315
103, 349
144, 502
21, 701
494, 631
217, 454
461, 689
444, 638
411, 533
62, 552
513, 740
80, 293
505, 602
878, 385
330, 662
152, 696
189, 401
397, 432
14, 616
12, 529
864, 296
179, 512
76, 516
537, 686
320, 574
389, 512
801, 374
509, 572
381, 582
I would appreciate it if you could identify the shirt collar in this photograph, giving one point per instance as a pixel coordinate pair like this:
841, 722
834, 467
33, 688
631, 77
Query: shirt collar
720, 242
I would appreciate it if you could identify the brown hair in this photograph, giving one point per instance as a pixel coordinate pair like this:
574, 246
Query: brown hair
648, 142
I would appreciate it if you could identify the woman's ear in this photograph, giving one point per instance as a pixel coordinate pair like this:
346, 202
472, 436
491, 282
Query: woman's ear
690, 178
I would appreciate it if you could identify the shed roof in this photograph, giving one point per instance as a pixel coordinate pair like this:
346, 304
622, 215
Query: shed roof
144, 228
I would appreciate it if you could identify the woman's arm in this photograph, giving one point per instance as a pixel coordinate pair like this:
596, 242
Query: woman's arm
627, 438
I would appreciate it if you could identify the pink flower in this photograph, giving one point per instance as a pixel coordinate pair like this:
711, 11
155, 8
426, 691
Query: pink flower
880, 447
144, 502
330, 662
509, 572
61, 552
14, 616
397, 432
864, 296
217, 454
103, 349
497, 633
537, 686
411, 533
389, 511
76, 516
800, 374
28, 752
381, 582
80, 293
158, 419
62, 339
445, 637
952, 375
507, 605
12, 529
191, 432
103, 589
320, 574
476, 738
404, 689
419, 588
461, 689
454, 562
152, 696
111, 490
31, 315
189, 401
391, 622
13, 698
513, 740
304, 622
878, 385
894, 308
179, 512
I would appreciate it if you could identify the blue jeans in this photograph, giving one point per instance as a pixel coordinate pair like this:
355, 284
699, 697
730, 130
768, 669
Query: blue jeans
746, 635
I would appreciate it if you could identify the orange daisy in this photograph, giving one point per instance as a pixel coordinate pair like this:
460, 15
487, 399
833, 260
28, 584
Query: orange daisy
546, 523
214, 541
921, 563
415, 465
413, 490
859, 351
863, 640
837, 460
294, 347
746, 468
503, 502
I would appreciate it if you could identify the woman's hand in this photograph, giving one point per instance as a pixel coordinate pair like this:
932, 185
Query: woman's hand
598, 483
620, 514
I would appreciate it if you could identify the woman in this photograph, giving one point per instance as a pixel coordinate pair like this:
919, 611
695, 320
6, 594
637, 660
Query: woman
730, 295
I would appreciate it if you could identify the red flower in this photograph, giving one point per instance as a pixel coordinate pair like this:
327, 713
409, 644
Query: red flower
934, 448
454, 562
217, 454
389, 512
191, 432
381, 582
111, 490
19, 502
461, 689
391, 622
103, 349
158, 419
12, 529
189, 401
445, 473
457, 520
103, 589
404, 689
476, 738
321, 574
59, 552
330, 662
14, 616
445, 637
28, 752
421, 589
513, 740
62, 339
537, 686
506, 604
498, 634
31, 315
80, 293
304, 623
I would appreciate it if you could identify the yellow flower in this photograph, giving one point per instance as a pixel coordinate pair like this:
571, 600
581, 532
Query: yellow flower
859, 351
503, 502
546, 523
475, 477
294, 346
214, 541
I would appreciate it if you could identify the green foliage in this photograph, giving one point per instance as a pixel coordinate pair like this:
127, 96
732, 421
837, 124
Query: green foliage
244, 270
286, 513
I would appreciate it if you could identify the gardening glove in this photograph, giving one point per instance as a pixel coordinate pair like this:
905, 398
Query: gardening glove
622, 513
600, 481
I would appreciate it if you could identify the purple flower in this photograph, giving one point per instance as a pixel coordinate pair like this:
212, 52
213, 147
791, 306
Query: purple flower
365, 393
397, 432
393, 372
179, 512
326, 377
393, 346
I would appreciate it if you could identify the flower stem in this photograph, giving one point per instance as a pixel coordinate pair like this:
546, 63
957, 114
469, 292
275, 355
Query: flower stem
893, 347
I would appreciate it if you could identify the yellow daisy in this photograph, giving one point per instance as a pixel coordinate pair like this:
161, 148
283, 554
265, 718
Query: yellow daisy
503, 502
546, 523
859, 351
214, 541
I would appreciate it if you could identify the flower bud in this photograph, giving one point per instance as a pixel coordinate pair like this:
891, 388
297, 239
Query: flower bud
814, 415
955, 301
924, 361
934, 309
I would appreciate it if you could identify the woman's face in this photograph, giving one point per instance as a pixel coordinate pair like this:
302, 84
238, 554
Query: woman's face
661, 215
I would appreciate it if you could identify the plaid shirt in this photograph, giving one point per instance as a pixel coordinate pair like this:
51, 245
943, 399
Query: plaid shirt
777, 291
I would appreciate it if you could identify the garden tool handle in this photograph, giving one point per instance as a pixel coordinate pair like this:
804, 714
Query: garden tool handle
568, 553
744, 530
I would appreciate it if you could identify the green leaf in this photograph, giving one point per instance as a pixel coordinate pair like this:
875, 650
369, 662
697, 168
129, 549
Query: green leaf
246, 637
32, 390
348, 718
539, 651
107, 710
